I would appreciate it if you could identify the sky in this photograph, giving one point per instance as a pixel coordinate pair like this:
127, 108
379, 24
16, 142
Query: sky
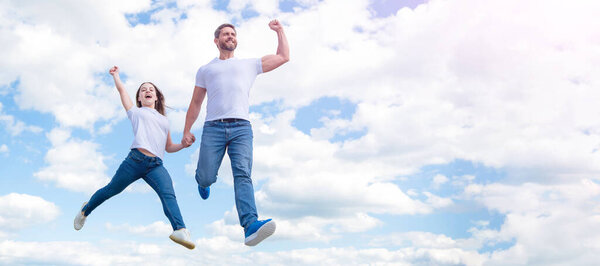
401, 132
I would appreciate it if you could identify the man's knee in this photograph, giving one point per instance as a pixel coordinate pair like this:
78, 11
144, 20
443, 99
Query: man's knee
204, 180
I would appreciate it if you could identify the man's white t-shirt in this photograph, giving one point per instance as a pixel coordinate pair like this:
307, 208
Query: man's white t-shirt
150, 129
227, 83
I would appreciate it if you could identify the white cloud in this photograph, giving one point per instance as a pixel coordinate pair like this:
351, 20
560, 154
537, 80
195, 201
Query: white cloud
16, 252
190, 166
461, 181
436, 201
314, 195
156, 229
177, 122
437, 94
439, 180
307, 228
216, 248
69, 94
264, 7
15, 126
333, 127
73, 164
140, 186
532, 211
351, 256
307, 177
18, 211
221, 251
79, 96
416, 239
4, 148
228, 227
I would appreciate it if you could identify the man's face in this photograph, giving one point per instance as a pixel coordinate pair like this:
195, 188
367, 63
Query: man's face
227, 40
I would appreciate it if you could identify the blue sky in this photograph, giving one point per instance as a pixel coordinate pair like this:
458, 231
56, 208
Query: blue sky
401, 132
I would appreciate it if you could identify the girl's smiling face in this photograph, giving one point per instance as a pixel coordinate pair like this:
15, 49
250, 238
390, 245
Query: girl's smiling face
146, 95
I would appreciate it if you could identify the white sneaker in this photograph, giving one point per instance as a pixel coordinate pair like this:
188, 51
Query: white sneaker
80, 218
182, 237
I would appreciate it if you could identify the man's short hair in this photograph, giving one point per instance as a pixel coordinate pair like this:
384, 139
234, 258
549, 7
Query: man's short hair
218, 31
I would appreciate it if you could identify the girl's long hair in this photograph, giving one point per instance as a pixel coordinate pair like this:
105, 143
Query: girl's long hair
160, 102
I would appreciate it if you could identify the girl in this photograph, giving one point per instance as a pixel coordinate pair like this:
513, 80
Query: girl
151, 139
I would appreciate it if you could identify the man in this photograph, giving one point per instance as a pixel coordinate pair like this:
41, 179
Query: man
227, 81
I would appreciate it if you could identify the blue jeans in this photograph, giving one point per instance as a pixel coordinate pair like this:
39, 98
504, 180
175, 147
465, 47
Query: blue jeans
137, 165
237, 138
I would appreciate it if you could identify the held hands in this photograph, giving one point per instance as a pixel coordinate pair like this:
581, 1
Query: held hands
275, 25
188, 139
114, 70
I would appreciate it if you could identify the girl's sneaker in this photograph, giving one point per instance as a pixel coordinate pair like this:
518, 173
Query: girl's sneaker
182, 237
79, 218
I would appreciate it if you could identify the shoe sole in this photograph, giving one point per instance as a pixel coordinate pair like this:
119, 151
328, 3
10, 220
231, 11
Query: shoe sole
182, 242
263, 232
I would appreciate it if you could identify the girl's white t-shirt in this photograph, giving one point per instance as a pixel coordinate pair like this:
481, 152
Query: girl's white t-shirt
150, 129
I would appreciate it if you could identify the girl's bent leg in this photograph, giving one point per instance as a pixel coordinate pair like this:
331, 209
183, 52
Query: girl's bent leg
125, 175
158, 178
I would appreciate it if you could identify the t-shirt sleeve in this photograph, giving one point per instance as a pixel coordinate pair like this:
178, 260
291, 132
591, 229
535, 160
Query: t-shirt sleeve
131, 112
200, 78
258, 66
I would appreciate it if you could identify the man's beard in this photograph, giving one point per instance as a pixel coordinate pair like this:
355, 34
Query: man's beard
224, 46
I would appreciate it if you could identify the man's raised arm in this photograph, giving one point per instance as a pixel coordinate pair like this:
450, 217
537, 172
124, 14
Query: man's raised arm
270, 62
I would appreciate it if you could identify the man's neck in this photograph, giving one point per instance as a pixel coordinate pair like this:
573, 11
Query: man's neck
224, 55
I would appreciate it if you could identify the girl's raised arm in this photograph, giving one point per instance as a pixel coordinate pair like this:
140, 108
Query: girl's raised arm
125, 100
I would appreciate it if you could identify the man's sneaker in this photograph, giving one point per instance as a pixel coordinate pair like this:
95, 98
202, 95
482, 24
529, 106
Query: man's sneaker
182, 237
79, 218
258, 231
204, 192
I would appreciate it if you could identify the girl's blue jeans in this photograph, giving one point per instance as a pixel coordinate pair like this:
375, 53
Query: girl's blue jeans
151, 169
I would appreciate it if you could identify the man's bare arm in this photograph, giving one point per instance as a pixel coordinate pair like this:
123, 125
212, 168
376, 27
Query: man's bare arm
270, 62
192, 114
